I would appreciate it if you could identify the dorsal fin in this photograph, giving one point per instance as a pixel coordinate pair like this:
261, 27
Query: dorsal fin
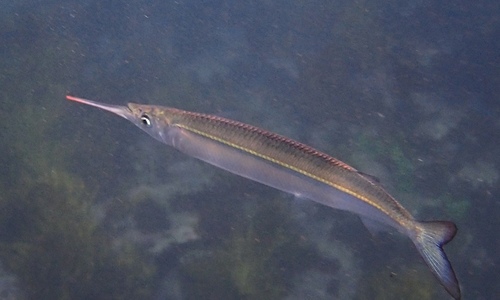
369, 177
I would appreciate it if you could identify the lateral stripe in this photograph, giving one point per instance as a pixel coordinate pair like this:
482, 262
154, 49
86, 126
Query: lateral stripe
288, 166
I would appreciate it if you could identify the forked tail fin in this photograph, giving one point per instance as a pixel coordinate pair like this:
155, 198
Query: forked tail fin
429, 242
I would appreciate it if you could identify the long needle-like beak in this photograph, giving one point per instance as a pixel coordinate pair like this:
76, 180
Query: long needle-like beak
122, 111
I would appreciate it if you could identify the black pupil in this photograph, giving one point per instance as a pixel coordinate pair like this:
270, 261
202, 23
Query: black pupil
145, 120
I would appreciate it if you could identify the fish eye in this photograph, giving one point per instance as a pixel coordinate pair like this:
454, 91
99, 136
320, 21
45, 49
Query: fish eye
146, 121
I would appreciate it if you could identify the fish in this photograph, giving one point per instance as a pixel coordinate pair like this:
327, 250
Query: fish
292, 167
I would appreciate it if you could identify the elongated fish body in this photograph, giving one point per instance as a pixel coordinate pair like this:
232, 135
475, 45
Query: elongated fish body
293, 167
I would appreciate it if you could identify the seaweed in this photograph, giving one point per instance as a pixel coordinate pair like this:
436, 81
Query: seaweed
392, 151
250, 262
409, 283
48, 238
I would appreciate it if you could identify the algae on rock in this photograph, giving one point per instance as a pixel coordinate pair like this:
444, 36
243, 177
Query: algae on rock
249, 262
48, 238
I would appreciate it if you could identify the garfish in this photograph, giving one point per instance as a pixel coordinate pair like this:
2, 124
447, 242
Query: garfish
293, 167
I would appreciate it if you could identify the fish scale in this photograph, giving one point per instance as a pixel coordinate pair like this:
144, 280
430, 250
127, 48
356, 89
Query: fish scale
291, 154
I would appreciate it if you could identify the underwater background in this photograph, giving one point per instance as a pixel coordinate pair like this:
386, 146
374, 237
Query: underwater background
93, 208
